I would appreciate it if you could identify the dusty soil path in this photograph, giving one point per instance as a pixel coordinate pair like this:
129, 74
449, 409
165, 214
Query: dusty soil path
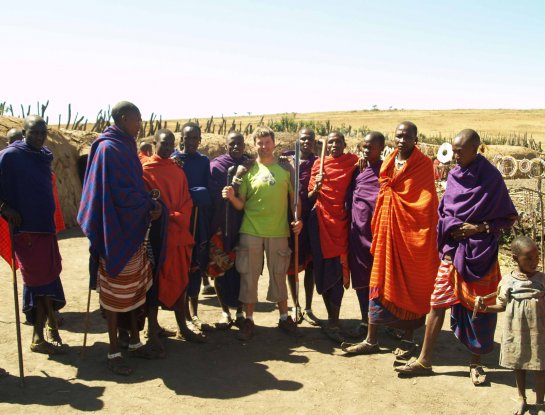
271, 374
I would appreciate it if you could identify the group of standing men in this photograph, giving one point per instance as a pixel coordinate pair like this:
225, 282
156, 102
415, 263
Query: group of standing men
161, 224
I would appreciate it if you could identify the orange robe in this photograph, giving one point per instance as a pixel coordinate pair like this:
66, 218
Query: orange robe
333, 219
404, 230
165, 175
143, 157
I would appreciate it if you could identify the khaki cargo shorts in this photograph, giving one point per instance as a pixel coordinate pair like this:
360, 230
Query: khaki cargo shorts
249, 263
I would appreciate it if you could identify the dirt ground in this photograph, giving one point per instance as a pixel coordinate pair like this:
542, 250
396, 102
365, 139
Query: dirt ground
272, 373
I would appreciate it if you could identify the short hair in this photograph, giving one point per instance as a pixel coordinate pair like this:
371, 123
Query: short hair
123, 108
469, 135
376, 135
14, 135
521, 242
338, 134
261, 132
163, 131
192, 126
411, 126
309, 131
234, 134
145, 146
32, 120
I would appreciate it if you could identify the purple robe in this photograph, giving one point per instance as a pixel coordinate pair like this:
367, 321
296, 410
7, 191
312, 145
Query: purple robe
114, 208
474, 194
229, 283
218, 172
362, 199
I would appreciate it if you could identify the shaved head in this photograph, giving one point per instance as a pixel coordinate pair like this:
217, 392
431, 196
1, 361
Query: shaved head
409, 126
465, 146
234, 135
191, 126
164, 143
35, 131
376, 136
123, 108
468, 136
14, 135
522, 243
32, 120
336, 134
307, 131
163, 132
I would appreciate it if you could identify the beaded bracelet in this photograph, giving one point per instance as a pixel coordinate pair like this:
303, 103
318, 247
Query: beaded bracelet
486, 226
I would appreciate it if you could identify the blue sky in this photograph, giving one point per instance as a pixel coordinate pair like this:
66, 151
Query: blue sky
197, 58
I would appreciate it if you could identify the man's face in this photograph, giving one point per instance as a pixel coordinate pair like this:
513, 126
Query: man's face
36, 134
335, 145
165, 146
371, 149
307, 143
236, 146
265, 146
405, 140
191, 139
464, 152
132, 123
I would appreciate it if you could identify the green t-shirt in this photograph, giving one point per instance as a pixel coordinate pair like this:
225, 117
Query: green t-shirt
265, 189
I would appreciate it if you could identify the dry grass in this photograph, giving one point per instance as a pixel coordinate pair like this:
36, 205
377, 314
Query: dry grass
446, 122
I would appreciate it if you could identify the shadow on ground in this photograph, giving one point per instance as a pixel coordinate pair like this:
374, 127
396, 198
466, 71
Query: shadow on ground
50, 391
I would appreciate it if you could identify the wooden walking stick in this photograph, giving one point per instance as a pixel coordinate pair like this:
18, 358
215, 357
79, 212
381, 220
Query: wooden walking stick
322, 155
297, 159
195, 222
86, 322
230, 174
16, 301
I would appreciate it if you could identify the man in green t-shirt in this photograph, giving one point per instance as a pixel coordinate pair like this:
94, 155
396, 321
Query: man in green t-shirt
263, 195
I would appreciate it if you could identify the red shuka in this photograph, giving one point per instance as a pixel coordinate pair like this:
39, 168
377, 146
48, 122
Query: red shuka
165, 175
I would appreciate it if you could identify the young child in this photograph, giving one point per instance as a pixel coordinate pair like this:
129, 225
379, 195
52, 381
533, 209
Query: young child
521, 295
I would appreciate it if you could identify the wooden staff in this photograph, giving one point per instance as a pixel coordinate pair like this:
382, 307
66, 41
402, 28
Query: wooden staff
16, 301
296, 237
86, 322
195, 222
322, 156
230, 174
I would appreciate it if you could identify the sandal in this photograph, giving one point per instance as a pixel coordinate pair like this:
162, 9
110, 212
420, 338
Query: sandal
311, 319
296, 315
224, 323
162, 333
147, 351
53, 336
414, 368
334, 333
477, 374
190, 336
45, 347
405, 350
360, 348
200, 325
118, 366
